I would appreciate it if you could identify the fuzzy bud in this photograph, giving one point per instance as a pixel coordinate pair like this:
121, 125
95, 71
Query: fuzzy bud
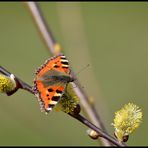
7, 84
126, 120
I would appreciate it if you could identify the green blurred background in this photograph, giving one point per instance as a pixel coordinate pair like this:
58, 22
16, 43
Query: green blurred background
110, 36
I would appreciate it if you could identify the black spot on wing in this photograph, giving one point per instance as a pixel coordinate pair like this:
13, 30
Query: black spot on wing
58, 91
65, 63
56, 66
50, 90
55, 98
51, 105
65, 67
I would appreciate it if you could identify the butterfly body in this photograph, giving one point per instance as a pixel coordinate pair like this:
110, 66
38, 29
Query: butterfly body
53, 77
51, 80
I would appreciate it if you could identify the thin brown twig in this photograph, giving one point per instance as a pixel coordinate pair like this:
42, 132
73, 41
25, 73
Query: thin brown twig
79, 117
50, 43
98, 130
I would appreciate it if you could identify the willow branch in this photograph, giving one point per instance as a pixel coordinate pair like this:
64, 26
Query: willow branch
50, 43
79, 117
42, 26
98, 130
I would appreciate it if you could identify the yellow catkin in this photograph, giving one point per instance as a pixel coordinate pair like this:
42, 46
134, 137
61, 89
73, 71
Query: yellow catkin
126, 120
68, 102
7, 84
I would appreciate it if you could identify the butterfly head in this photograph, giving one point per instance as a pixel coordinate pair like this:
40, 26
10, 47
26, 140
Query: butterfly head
72, 79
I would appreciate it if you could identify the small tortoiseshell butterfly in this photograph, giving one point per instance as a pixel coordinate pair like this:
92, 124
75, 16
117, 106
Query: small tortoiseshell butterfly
51, 80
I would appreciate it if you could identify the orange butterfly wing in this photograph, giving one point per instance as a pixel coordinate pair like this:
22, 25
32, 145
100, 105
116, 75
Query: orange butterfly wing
50, 95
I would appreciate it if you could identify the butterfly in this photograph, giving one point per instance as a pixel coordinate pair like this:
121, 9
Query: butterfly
51, 81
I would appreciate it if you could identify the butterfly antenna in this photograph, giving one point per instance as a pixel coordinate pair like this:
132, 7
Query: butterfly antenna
79, 73
82, 69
